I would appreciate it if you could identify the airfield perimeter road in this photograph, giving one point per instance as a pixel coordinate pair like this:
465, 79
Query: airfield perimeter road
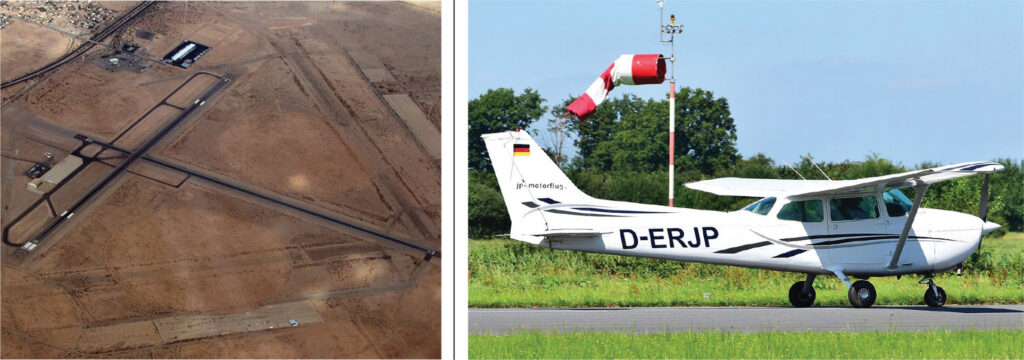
747, 319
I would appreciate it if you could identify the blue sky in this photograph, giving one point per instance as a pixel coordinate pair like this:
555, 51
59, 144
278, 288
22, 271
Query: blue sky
912, 81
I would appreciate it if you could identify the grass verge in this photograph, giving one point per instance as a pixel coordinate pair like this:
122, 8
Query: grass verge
505, 273
998, 344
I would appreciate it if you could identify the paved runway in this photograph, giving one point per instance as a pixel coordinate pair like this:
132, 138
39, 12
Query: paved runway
747, 319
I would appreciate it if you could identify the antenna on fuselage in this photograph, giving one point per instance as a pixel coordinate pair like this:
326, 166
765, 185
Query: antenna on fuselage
794, 170
817, 167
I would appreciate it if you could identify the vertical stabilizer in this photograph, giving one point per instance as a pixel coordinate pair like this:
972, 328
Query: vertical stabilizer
529, 179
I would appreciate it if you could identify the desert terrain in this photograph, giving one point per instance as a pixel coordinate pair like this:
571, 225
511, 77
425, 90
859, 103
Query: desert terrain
278, 198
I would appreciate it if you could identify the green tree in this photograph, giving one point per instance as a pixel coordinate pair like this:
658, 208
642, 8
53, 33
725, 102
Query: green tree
759, 166
706, 136
628, 133
1007, 187
499, 110
487, 213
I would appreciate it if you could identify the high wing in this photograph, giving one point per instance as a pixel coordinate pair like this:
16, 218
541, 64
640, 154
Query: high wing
790, 188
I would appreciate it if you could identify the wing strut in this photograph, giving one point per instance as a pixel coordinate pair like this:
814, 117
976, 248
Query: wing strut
919, 189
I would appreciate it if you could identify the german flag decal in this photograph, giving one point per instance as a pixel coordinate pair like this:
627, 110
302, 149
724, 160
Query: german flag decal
521, 149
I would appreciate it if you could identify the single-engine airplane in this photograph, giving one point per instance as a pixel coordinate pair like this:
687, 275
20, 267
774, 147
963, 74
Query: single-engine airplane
849, 228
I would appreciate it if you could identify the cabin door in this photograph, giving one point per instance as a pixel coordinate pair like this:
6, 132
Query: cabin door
858, 233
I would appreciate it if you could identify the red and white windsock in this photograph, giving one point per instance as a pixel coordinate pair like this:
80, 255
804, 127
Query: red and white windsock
627, 69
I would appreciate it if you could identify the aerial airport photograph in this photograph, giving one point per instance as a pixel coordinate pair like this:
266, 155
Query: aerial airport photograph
193, 179
781, 179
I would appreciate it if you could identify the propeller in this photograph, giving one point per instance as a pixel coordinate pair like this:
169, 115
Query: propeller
983, 206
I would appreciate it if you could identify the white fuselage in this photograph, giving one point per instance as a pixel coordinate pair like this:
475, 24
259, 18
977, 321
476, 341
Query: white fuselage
816, 227
938, 240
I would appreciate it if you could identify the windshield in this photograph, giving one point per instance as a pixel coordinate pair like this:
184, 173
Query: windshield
896, 204
762, 207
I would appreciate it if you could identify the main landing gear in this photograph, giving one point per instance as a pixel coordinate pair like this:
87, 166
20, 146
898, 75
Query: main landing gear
861, 293
801, 294
934, 296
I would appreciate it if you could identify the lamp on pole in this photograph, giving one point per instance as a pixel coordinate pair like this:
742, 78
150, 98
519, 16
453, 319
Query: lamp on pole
671, 29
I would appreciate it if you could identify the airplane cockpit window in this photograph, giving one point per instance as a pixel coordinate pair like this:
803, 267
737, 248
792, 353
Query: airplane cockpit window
856, 208
805, 211
896, 204
761, 207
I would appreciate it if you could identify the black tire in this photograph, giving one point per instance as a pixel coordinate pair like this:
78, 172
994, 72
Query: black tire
862, 294
935, 301
797, 296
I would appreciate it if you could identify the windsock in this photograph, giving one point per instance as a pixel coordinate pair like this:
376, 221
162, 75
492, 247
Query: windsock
628, 70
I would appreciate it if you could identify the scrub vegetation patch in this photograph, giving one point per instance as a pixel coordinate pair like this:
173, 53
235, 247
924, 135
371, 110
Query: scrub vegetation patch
506, 273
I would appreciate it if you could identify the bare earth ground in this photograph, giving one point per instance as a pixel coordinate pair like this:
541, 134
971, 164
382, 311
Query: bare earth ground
162, 264
40, 46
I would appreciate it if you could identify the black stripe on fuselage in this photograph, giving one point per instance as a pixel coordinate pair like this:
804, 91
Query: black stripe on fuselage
533, 205
618, 211
856, 237
737, 249
790, 253
551, 201
828, 236
880, 237
578, 214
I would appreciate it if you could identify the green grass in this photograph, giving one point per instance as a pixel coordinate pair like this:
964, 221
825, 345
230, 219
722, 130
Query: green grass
506, 273
767, 345
1012, 242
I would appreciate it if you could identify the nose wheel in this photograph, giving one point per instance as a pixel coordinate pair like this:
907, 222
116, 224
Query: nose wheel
862, 294
935, 296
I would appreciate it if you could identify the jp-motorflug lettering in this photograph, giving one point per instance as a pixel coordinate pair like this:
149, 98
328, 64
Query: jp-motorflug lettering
550, 185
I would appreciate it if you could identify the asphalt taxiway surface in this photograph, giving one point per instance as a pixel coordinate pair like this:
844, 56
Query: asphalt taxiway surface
747, 319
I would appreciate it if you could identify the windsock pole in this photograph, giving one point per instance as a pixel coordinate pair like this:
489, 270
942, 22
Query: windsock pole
671, 141
671, 29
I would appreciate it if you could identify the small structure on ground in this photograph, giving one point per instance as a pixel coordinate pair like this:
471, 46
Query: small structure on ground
55, 175
185, 54
128, 58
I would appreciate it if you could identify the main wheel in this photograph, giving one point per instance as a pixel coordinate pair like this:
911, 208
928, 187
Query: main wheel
862, 294
797, 296
932, 300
